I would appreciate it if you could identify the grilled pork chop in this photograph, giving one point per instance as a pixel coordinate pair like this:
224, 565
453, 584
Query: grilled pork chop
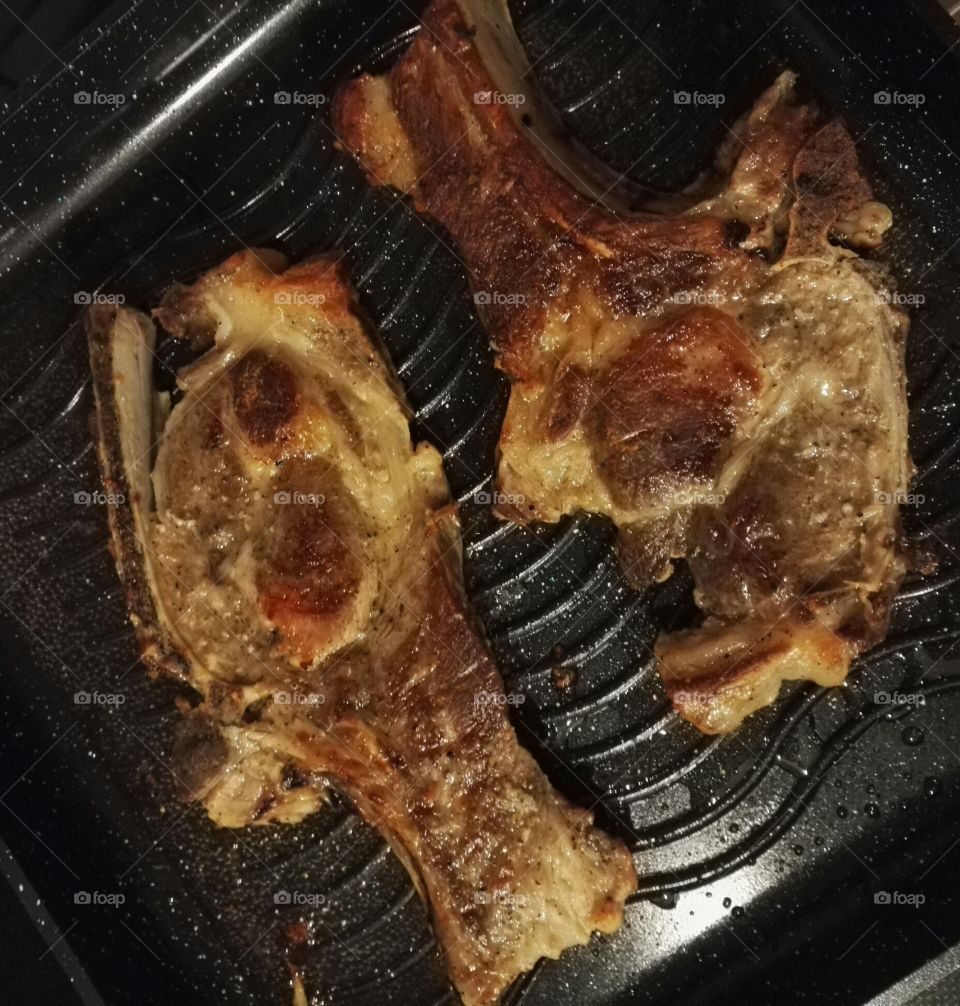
723, 377
289, 554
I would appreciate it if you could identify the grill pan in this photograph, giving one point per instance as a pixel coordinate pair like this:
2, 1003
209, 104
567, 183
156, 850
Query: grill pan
785, 862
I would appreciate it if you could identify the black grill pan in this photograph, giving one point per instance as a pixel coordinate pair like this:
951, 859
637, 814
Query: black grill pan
784, 863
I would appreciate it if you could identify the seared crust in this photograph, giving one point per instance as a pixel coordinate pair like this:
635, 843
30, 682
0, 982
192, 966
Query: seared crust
719, 674
661, 415
527, 235
828, 188
295, 550
265, 397
721, 380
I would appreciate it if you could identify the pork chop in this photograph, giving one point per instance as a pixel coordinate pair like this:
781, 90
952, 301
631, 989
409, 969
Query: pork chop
293, 558
721, 375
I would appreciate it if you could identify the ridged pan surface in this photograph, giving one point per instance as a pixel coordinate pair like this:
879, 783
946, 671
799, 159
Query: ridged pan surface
765, 856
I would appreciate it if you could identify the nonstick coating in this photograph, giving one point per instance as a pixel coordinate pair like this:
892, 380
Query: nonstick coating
784, 863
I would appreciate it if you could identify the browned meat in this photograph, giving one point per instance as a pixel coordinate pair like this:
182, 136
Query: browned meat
290, 554
722, 377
